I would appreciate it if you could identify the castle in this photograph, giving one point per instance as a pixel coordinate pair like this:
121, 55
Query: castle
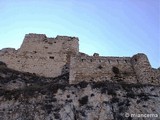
52, 57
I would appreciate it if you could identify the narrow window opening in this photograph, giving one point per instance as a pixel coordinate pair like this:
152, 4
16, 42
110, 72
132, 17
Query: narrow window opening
51, 57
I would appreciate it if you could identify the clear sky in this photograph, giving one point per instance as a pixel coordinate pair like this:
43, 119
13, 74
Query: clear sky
108, 27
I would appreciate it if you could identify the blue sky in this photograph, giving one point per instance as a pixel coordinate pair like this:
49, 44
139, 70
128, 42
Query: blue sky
108, 27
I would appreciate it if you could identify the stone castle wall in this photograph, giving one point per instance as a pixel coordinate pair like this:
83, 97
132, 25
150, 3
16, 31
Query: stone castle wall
51, 57
40, 44
91, 68
41, 55
136, 69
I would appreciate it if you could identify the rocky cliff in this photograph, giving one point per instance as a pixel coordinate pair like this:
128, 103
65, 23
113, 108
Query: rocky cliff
25, 96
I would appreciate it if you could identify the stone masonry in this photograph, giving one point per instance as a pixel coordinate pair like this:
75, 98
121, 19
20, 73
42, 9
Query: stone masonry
43, 56
52, 57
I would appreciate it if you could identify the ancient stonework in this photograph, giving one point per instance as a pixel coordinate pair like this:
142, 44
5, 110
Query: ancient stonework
52, 57
41, 55
49, 79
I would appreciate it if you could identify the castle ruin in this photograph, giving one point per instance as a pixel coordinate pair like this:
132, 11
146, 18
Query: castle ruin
52, 57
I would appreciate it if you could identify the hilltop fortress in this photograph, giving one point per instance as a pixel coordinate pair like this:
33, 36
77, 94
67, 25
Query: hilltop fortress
52, 57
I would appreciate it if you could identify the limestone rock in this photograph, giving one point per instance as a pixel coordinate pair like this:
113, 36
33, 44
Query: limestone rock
43, 98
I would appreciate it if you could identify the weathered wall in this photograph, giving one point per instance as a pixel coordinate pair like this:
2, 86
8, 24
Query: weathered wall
90, 68
41, 55
155, 76
143, 69
51, 57
42, 45
136, 69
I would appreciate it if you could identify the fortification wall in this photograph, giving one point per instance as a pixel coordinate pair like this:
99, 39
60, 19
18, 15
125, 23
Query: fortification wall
41, 55
136, 69
91, 68
51, 57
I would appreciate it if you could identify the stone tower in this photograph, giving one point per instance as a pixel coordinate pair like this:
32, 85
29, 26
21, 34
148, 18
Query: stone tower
142, 68
43, 56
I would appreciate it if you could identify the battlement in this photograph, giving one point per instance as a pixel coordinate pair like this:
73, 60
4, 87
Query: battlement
51, 57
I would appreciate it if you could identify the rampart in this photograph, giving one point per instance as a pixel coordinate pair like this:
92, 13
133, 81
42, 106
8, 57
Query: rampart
41, 55
93, 68
136, 69
51, 57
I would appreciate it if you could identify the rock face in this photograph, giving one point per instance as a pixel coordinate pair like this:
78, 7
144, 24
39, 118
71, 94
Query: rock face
25, 96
